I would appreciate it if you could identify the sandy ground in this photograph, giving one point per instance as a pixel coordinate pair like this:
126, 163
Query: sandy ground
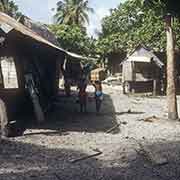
145, 146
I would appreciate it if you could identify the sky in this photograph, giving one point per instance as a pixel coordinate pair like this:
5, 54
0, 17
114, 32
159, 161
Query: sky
41, 10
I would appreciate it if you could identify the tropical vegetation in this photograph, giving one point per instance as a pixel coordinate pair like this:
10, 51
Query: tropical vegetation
133, 23
72, 38
70, 26
73, 12
170, 9
9, 7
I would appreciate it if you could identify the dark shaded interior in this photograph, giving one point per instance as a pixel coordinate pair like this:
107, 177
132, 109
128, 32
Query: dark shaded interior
30, 56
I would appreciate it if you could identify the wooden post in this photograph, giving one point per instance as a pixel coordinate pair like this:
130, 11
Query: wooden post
156, 81
171, 86
3, 120
154, 87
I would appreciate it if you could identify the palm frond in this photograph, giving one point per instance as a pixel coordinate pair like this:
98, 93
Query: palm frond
73, 12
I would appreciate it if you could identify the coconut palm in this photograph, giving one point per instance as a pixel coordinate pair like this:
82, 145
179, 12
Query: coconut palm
10, 8
72, 12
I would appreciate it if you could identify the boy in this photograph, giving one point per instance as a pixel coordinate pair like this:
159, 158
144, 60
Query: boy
98, 95
82, 95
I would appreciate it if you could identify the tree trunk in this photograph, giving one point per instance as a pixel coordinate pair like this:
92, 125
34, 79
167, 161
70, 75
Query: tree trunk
171, 79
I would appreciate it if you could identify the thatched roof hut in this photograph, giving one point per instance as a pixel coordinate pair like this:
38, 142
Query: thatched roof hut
140, 69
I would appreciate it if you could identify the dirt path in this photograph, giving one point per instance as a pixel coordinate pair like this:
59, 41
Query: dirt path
145, 146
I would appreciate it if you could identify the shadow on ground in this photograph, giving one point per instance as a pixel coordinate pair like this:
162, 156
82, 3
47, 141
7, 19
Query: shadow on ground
65, 115
31, 162
26, 161
156, 161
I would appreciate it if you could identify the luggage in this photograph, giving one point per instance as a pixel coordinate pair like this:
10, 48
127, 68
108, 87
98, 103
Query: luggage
98, 74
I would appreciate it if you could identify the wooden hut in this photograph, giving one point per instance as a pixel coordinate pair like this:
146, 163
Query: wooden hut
29, 68
142, 71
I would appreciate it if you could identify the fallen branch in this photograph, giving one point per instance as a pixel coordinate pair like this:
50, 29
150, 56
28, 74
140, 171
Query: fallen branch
113, 128
149, 119
98, 152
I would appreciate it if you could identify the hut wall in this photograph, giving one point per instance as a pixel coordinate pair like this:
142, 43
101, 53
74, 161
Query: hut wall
144, 71
127, 71
141, 76
9, 73
135, 71
43, 66
13, 97
141, 86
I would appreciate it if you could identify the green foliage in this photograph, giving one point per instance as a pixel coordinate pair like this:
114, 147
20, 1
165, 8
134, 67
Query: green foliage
73, 38
10, 8
69, 28
168, 6
113, 43
72, 12
133, 23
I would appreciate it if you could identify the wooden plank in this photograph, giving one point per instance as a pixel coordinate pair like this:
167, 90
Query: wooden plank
98, 152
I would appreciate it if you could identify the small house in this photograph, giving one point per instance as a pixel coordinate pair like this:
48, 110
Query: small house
29, 69
142, 71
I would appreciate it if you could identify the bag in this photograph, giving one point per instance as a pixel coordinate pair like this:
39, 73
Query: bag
98, 74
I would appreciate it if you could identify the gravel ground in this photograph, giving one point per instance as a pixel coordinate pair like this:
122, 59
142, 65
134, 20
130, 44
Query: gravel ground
145, 146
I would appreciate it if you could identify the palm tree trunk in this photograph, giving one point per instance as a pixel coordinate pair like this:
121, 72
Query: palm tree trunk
171, 79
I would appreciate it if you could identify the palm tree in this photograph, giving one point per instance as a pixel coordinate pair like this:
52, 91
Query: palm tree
72, 12
10, 8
